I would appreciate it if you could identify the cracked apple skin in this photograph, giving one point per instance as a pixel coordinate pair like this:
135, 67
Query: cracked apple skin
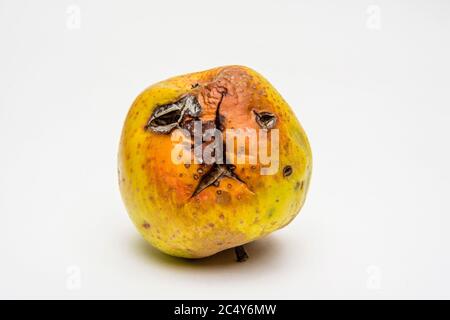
159, 194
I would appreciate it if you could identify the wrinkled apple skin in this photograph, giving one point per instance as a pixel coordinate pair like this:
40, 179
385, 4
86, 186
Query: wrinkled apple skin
157, 193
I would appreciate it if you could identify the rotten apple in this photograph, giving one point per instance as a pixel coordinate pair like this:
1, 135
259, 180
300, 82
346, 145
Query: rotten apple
212, 160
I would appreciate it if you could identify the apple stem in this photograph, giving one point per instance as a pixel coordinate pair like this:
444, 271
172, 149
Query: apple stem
241, 255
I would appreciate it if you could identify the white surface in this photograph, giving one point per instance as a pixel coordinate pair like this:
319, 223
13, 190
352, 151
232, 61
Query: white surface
374, 100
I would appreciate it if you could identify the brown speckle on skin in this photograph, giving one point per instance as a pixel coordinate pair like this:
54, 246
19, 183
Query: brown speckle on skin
299, 185
287, 171
146, 225
195, 176
223, 197
187, 165
229, 186
221, 216
219, 192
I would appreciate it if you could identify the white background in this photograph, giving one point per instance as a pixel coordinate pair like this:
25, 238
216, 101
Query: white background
369, 80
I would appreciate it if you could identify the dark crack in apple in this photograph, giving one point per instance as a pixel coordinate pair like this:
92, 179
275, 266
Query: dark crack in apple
265, 120
167, 117
182, 114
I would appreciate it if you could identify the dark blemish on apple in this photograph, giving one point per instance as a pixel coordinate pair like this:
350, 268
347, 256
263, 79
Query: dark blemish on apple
212, 177
223, 197
299, 185
187, 165
287, 171
265, 120
146, 225
167, 117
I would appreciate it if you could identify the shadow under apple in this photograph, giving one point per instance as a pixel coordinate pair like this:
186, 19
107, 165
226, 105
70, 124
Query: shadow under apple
265, 250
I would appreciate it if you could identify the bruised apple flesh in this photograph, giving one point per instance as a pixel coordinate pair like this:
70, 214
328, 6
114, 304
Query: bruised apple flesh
212, 160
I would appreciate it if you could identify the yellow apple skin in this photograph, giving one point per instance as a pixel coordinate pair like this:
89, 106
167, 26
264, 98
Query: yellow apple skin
158, 193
